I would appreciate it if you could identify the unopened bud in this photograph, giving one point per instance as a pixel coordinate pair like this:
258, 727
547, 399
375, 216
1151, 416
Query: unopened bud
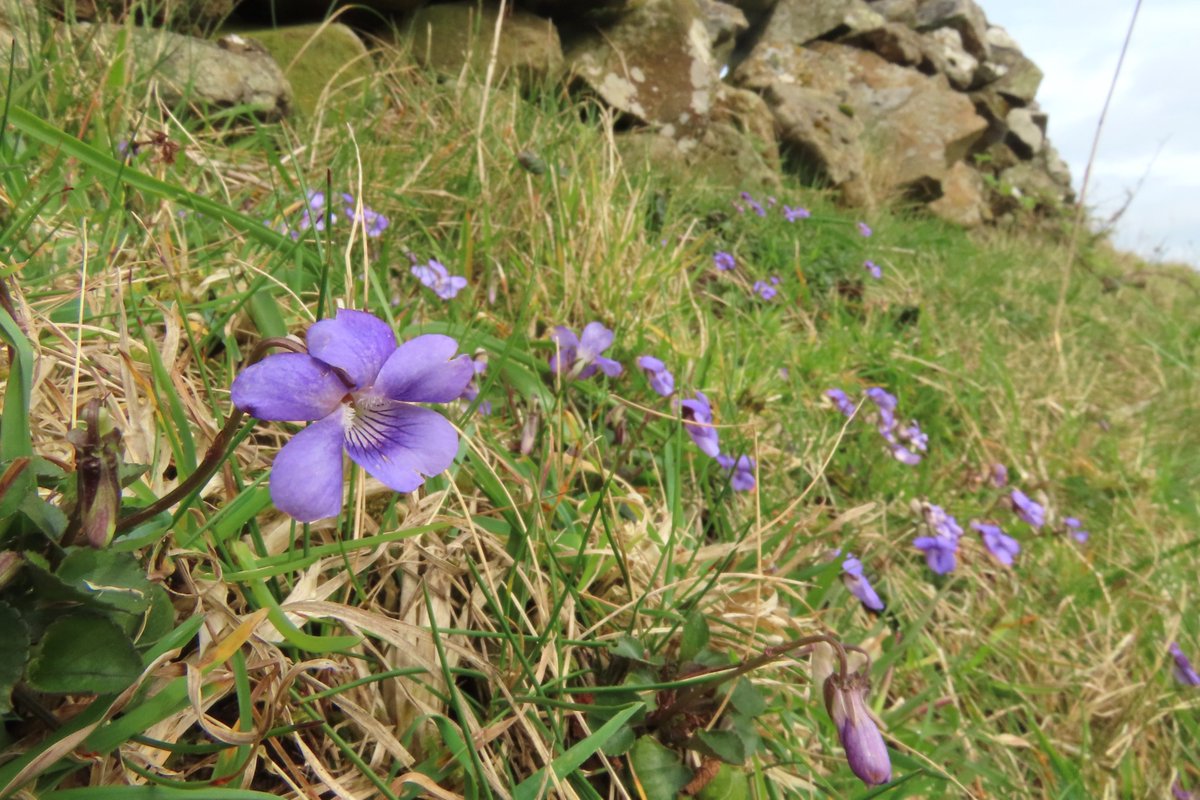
97, 474
10, 562
866, 753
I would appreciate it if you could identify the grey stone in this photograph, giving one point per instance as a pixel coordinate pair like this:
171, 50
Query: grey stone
901, 11
724, 22
1025, 136
962, 201
892, 41
1017, 77
799, 21
944, 49
454, 36
325, 63
961, 15
818, 137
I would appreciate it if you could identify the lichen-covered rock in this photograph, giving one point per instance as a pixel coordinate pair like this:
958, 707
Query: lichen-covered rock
944, 49
653, 64
1028, 184
901, 11
1025, 136
892, 41
962, 201
820, 138
186, 15
724, 22
324, 63
719, 156
961, 15
1017, 78
233, 72
445, 37
795, 22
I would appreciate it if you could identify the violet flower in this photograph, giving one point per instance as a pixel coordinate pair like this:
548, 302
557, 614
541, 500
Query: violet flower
755, 206
436, 277
1027, 509
1003, 547
858, 585
906, 443
1183, 670
864, 230
723, 261
743, 471
793, 214
885, 405
579, 357
841, 401
374, 222
472, 389
661, 379
315, 214
360, 389
1075, 527
697, 421
866, 752
766, 290
941, 548
873, 268
999, 475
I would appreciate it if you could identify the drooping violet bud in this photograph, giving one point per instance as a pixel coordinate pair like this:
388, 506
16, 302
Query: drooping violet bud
97, 474
866, 752
10, 562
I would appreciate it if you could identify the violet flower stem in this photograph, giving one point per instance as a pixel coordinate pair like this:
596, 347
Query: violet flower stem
213, 457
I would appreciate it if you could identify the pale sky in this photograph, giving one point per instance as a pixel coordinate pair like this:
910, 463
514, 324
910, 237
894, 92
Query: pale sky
1152, 134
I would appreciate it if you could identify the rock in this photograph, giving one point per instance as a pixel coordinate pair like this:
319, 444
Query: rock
1025, 137
819, 139
1017, 78
720, 155
231, 72
318, 61
1030, 185
724, 23
1058, 171
901, 11
944, 49
748, 113
653, 64
962, 201
186, 15
892, 41
445, 37
794, 22
961, 15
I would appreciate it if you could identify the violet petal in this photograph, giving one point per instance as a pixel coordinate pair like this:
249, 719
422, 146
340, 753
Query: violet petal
424, 370
354, 341
306, 478
401, 444
288, 386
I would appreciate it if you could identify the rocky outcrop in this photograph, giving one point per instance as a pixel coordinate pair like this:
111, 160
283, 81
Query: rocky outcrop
448, 37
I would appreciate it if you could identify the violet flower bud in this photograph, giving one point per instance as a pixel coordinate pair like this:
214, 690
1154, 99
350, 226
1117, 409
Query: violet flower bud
866, 753
97, 474
10, 562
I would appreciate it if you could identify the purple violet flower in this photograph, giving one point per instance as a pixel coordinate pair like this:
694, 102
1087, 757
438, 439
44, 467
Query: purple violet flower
858, 585
864, 230
999, 475
697, 421
1003, 547
374, 222
793, 214
315, 214
841, 401
1027, 509
873, 268
1183, 670
885, 405
908, 441
1075, 528
941, 548
360, 390
766, 290
661, 379
723, 261
866, 752
755, 206
579, 357
743, 471
435, 276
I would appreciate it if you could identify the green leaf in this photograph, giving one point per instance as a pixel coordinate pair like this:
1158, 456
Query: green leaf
747, 699
658, 770
83, 653
730, 783
747, 731
13, 654
725, 745
45, 517
695, 636
626, 646
532, 787
113, 580
15, 438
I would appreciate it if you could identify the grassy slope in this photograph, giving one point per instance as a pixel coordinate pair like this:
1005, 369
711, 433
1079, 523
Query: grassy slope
1048, 680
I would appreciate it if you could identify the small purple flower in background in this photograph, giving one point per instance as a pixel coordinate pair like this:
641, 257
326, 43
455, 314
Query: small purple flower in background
723, 261
858, 585
361, 389
1183, 670
1075, 528
697, 421
472, 390
436, 277
864, 230
661, 379
766, 290
999, 475
793, 214
743, 471
1027, 509
906, 442
941, 548
866, 752
580, 357
755, 206
841, 401
771, 202
315, 214
374, 222
1179, 793
741, 209
885, 404
1003, 547
873, 268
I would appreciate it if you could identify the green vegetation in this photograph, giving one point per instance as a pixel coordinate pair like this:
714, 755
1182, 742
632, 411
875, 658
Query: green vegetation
509, 629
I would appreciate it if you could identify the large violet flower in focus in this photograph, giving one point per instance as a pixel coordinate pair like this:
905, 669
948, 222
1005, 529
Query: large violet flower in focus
1003, 547
858, 585
743, 471
697, 421
360, 388
661, 379
579, 356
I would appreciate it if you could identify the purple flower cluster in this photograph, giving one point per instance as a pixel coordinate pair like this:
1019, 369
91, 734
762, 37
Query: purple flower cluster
766, 289
1003, 547
905, 443
723, 261
698, 422
580, 356
1075, 527
318, 213
435, 276
941, 545
799, 212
